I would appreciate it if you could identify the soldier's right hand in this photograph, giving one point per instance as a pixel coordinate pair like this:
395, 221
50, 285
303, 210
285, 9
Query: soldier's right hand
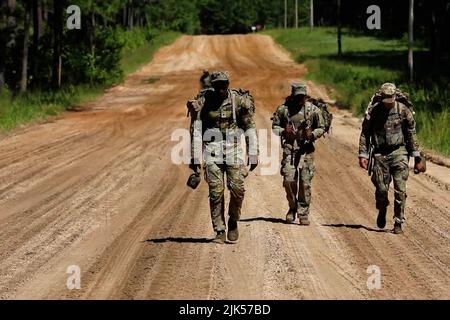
363, 163
290, 129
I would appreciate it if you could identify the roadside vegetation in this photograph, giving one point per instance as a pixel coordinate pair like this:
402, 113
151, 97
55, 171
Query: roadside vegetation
137, 48
365, 64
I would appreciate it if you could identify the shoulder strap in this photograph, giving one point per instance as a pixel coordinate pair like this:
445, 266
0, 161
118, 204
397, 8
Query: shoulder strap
307, 112
233, 104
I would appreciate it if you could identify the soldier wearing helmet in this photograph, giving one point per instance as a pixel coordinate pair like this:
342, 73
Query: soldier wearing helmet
299, 123
388, 137
221, 116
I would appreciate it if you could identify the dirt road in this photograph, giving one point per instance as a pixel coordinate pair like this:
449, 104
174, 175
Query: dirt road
97, 189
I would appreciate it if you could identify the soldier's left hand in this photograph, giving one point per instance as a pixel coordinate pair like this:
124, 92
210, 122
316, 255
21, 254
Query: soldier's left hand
253, 162
308, 134
419, 166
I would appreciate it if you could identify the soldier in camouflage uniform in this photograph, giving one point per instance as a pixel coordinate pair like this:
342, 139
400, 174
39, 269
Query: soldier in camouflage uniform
389, 127
221, 115
299, 123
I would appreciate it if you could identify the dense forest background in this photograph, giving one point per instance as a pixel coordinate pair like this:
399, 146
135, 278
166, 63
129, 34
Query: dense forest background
43, 62
37, 49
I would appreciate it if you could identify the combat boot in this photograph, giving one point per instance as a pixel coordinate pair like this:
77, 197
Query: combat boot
233, 232
398, 228
290, 216
220, 237
381, 220
304, 221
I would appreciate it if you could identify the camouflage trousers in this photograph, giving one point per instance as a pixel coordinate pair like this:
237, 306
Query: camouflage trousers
298, 172
385, 169
214, 175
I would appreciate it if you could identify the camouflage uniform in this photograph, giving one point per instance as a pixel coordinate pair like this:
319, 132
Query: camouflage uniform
392, 133
297, 167
224, 154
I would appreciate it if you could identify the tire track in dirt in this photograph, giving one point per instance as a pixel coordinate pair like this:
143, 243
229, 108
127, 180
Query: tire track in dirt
97, 189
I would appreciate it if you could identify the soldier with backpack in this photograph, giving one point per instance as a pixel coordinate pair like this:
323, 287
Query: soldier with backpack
219, 116
388, 138
299, 122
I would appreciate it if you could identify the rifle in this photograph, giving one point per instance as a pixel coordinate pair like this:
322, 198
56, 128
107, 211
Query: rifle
306, 126
371, 159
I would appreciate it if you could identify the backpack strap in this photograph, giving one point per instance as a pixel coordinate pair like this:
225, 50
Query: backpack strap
233, 105
307, 113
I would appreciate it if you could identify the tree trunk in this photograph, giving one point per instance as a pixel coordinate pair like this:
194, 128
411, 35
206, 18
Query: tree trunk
130, 17
12, 4
411, 41
311, 15
339, 31
285, 14
7, 36
124, 16
147, 20
296, 14
92, 41
27, 23
37, 34
57, 42
3, 21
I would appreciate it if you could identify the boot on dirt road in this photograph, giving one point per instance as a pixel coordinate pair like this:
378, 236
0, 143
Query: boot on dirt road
290, 216
398, 228
220, 237
381, 220
304, 221
233, 232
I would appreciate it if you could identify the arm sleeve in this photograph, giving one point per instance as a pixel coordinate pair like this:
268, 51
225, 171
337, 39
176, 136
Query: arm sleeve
196, 131
318, 124
278, 121
247, 121
364, 138
412, 143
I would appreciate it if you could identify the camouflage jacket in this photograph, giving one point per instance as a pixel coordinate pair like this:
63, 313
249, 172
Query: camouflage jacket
235, 112
388, 129
302, 117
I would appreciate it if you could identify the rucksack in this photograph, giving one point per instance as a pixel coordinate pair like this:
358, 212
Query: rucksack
327, 115
400, 96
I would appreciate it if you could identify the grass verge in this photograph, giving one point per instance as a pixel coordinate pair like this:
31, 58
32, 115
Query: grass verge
16, 110
365, 64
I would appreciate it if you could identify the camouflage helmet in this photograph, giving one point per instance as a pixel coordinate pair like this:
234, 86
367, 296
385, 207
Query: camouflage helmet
219, 76
299, 89
388, 91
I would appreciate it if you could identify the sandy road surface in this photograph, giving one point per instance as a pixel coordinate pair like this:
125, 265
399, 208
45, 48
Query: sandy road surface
97, 189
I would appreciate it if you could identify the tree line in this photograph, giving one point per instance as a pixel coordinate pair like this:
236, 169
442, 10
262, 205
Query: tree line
38, 51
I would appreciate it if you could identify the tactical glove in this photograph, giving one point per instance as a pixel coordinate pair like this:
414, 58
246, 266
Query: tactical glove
420, 165
308, 134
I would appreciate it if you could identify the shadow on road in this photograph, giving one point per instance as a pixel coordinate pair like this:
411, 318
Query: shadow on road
354, 226
180, 240
266, 219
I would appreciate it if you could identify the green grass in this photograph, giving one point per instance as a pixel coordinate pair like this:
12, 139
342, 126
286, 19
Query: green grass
16, 110
365, 64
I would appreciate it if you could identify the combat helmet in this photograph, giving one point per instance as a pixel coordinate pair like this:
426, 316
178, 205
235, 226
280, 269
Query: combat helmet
217, 76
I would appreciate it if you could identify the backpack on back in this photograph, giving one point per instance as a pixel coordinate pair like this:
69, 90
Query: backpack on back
400, 96
327, 115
